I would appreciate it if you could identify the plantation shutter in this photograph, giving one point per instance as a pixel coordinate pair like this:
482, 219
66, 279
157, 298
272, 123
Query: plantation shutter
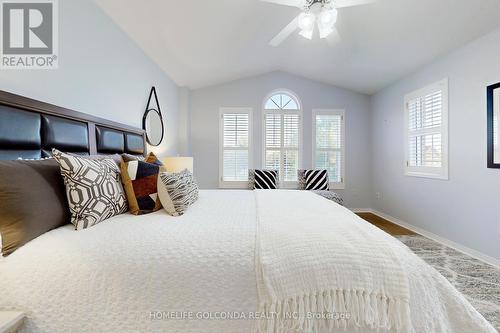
235, 140
291, 133
273, 142
282, 138
329, 145
424, 134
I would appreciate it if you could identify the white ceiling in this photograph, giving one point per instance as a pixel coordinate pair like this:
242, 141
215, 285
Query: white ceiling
204, 42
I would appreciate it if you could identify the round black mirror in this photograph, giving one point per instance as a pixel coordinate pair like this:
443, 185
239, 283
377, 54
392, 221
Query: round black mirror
152, 123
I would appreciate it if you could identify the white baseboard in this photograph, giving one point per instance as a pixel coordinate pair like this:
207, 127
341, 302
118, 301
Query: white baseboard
459, 247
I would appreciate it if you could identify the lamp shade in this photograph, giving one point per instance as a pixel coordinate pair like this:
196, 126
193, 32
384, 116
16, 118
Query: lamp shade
178, 164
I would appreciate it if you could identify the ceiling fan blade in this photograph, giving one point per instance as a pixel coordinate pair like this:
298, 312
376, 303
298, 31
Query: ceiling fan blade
350, 3
287, 31
292, 3
334, 37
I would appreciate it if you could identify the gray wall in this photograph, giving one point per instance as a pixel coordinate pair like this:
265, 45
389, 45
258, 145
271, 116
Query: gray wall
465, 208
205, 104
184, 122
101, 72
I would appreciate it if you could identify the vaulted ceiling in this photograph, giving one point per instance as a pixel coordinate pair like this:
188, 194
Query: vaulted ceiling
204, 42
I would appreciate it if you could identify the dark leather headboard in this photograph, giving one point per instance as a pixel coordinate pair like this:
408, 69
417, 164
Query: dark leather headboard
30, 129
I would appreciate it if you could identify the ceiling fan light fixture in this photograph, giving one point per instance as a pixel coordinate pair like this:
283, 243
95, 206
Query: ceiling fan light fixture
328, 17
306, 21
307, 33
326, 22
325, 32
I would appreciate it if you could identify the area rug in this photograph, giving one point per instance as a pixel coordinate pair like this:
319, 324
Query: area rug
478, 281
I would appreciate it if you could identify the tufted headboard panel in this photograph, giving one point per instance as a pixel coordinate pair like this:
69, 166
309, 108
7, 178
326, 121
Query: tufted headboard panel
29, 129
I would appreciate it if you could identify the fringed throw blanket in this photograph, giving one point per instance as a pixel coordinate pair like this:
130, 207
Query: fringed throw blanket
318, 268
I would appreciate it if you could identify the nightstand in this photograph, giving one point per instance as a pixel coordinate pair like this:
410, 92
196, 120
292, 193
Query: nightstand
10, 321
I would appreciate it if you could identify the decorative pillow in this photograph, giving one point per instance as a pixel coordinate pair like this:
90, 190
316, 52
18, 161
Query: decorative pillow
301, 179
266, 179
32, 201
93, 188
115, 157
177, 191
316, 180
140, 180
332, 196
128, 157
251, 179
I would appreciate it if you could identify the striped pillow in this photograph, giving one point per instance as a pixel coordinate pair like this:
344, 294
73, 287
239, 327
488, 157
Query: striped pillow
266, 179
177, 191
316, 180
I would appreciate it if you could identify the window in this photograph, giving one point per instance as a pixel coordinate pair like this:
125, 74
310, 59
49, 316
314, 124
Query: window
328, 140
426, 122
282, 136
235, 146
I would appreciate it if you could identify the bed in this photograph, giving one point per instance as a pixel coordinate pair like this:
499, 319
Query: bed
203, 271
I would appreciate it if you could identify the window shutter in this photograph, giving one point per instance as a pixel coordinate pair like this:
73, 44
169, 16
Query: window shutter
329, 145
426, 137
273, 141
282, 135
291, 137
425, 117
235, 157
273, 131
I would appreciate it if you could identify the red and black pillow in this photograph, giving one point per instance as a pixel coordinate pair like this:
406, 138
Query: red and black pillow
140, 180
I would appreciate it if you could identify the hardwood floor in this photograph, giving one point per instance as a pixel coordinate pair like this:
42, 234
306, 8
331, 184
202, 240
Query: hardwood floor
390, 228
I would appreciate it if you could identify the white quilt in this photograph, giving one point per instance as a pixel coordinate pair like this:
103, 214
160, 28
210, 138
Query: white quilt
157, 273
318, 259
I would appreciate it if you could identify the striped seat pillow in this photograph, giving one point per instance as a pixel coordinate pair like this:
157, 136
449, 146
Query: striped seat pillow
316, 180
266, 179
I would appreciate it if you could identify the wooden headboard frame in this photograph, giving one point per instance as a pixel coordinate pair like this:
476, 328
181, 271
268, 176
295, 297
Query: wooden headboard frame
28, 104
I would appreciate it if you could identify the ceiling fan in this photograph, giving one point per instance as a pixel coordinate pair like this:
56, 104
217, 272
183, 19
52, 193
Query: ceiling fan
322, 13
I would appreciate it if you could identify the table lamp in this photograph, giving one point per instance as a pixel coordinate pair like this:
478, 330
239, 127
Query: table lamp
178, 163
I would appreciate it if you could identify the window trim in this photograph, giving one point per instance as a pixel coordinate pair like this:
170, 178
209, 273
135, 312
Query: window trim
429, 172
283, 184
335, 112
242, 110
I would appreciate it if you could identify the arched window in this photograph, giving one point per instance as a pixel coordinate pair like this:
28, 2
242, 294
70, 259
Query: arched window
282, 101
282, 135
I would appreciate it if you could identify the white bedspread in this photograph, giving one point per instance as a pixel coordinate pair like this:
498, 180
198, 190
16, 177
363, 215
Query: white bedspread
318, 259
130, 273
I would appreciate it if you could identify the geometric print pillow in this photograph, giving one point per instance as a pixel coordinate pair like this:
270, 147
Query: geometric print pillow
266, 179
316, 180
301, 179
140, 180
177, 191
93, 189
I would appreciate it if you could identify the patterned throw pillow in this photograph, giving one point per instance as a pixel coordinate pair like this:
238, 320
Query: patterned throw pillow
93, 189
332, 196
127, 157
301, 179
177, 191
140, 180
316, 180
251, 179
266, 179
